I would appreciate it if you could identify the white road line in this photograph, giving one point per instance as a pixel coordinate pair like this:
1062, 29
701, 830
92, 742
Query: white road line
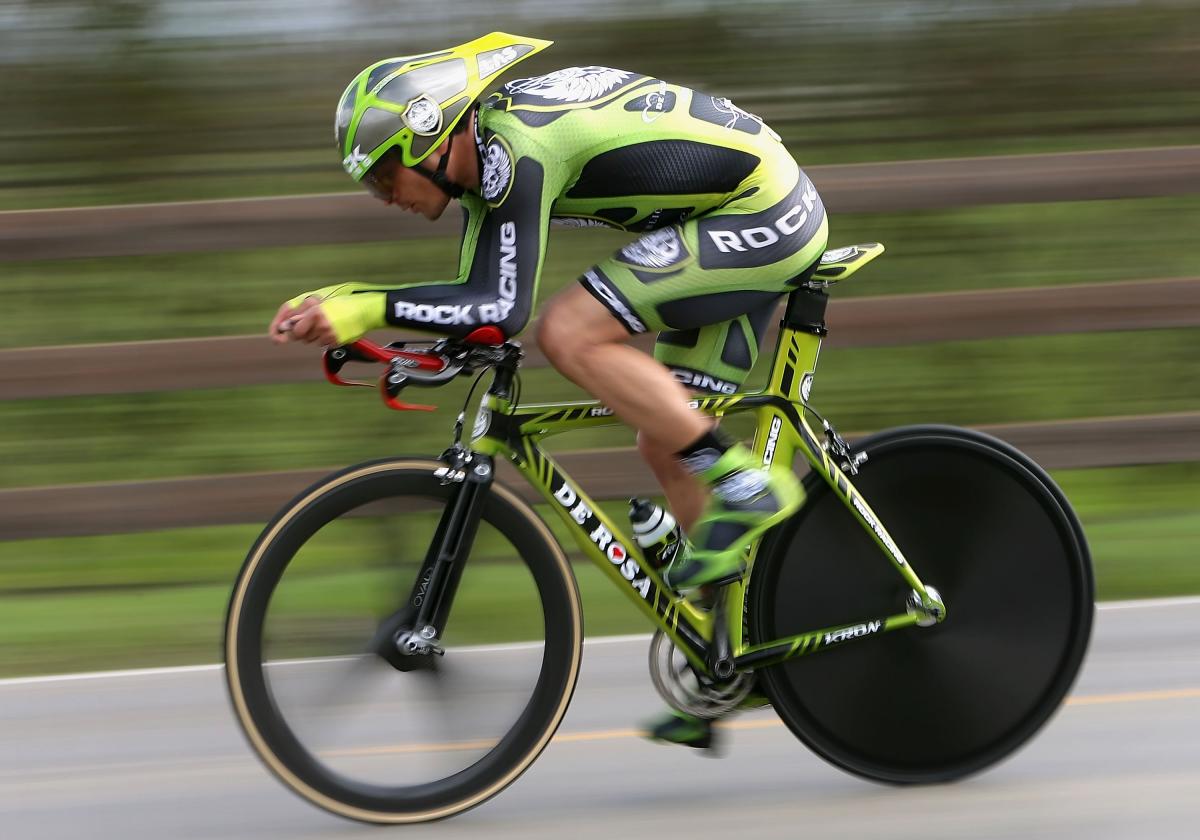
197, 669
1186, 601
1183, 601
104, 675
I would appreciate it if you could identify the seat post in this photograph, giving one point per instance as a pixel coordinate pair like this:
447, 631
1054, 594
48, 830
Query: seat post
799, 344
806, 311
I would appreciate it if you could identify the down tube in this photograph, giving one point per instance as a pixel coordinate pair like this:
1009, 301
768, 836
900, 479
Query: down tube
618, 557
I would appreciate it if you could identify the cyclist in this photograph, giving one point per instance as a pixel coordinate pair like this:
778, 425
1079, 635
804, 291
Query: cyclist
729, 223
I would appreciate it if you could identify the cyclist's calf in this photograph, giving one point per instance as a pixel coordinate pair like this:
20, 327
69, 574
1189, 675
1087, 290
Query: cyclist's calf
685, 495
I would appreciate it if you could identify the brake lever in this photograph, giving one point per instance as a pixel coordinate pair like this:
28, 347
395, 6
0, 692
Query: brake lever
402, 372
389, 390
335, 358
393, 383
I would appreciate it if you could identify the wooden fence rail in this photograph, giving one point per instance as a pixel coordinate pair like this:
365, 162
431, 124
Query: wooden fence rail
355, 217
188, 364
124, 507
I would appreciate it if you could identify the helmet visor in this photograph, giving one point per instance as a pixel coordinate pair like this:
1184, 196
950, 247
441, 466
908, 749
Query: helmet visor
380, 179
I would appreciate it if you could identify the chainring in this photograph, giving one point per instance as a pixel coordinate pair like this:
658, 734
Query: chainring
684, 690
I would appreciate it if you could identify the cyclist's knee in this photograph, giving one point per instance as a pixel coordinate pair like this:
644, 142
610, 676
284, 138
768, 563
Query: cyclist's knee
572, 324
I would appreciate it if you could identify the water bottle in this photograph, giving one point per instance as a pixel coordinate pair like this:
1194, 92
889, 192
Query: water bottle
656, 531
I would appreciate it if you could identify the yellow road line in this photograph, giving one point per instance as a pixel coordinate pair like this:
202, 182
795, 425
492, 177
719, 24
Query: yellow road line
602, 735
768, 723
399, 749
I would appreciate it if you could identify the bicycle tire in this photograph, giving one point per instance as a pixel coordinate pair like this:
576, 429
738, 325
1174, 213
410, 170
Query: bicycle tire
991, 531
268, 730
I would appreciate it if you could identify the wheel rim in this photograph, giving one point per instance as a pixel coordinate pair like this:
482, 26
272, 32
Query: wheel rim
391, 759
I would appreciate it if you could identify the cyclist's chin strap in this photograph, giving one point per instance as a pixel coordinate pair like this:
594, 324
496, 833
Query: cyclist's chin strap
439, 176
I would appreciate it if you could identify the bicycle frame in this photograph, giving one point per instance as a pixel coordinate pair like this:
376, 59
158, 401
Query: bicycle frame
504, 430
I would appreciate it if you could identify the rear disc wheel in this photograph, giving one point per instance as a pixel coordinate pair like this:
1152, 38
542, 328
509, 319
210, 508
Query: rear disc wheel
994, 535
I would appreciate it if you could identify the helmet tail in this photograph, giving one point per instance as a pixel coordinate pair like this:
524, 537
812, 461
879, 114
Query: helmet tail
413, 103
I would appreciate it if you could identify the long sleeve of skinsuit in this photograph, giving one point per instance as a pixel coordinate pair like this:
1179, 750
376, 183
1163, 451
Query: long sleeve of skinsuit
504, 243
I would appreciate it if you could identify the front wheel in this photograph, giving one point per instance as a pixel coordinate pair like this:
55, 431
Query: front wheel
321, 686
986, 527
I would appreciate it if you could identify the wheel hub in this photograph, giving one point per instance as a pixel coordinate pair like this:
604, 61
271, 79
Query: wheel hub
929, 610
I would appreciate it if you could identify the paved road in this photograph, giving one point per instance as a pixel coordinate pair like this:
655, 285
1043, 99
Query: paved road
157, 755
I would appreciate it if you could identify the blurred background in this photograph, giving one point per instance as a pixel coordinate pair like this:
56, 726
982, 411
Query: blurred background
177, 130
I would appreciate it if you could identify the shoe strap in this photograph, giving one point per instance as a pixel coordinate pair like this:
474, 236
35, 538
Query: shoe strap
737, 458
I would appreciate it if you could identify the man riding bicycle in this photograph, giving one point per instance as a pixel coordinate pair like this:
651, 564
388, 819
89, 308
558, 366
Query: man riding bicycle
729, 222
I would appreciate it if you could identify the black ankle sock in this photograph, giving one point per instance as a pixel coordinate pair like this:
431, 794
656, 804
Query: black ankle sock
704, 451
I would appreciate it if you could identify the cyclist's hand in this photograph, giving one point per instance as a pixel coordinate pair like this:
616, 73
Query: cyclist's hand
305, 322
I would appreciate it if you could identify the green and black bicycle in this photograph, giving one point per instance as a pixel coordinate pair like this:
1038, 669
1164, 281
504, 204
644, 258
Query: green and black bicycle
404, 637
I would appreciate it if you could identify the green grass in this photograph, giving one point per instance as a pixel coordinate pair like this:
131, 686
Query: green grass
1010, 380
150, 599
1143, 526
56, 632
1022, 245
144, 436
313, 171
237, 292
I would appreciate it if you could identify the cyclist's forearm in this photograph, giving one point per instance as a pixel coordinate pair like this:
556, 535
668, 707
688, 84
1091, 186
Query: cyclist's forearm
457, 309
454, 308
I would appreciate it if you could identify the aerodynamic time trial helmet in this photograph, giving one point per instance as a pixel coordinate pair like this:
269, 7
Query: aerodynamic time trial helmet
409, 105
